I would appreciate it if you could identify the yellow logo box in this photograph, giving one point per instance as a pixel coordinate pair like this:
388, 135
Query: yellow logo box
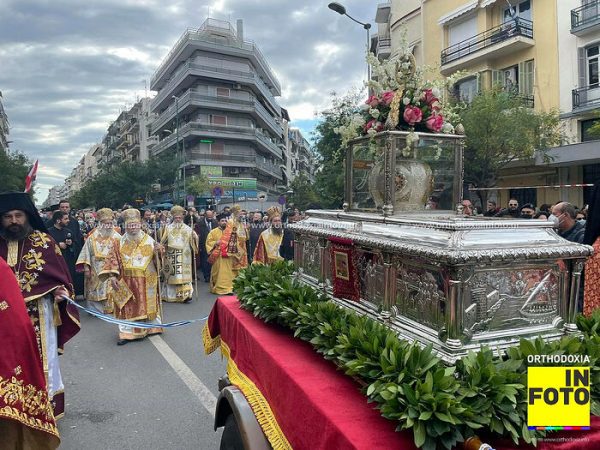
558, 396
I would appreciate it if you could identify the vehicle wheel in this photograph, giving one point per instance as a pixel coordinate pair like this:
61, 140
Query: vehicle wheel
231, 438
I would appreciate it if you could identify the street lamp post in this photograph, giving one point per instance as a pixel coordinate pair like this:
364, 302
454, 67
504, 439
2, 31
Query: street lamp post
341, 9
183, 156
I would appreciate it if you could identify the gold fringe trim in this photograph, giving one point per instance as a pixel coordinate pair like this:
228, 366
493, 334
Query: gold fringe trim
210, 344
258, 403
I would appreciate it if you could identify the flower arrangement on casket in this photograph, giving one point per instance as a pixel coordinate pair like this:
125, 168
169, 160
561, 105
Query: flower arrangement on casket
401, 99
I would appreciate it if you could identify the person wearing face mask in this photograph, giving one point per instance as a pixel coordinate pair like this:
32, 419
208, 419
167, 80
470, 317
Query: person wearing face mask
527, 211
568, 228
95, 264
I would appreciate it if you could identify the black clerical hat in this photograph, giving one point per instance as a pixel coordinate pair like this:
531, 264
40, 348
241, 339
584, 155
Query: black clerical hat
22, 201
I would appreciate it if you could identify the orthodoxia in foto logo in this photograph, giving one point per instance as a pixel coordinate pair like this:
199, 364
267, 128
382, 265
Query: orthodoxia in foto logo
558, 397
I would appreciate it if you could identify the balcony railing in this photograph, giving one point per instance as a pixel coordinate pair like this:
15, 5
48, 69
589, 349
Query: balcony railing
501, 33
587, 96
585, 15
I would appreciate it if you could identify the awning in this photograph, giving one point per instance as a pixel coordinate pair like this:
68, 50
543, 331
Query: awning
458, 12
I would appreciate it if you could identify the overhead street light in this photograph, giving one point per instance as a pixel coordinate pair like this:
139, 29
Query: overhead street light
341, 9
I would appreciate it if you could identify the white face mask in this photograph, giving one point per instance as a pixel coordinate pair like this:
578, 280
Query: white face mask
555, 220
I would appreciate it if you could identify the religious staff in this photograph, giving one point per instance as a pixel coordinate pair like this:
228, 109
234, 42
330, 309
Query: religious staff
134, 291
223, 250
181, 247
98, 248
269, 243
37, 263
26, 418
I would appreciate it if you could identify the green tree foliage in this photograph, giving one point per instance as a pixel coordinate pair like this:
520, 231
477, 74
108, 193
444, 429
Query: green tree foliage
329, 185
198, 185
499, 129
125, 182
305, 195
14, 167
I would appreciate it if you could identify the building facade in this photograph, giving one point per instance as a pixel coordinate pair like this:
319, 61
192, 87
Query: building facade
543, 50
215, 108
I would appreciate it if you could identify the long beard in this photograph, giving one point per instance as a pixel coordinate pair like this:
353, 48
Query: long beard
105, 232
277, 230
17, 232
137, 237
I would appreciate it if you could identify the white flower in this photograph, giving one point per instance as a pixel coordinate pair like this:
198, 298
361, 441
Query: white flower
436, 92
447, 128
365, 107
374, 112
371, 131
406, 101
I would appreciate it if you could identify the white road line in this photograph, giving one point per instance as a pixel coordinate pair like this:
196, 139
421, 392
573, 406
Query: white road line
206, 397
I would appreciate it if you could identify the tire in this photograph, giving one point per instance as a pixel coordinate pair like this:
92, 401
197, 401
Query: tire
231, 438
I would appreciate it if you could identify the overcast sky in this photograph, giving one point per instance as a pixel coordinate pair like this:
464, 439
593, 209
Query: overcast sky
67, 67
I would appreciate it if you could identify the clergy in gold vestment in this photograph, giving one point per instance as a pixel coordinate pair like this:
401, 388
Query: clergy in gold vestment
100, 245
222, 249
181, 247
135, 291
239, 228
269, 242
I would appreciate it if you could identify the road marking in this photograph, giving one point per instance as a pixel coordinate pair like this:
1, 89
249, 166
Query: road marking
206, 397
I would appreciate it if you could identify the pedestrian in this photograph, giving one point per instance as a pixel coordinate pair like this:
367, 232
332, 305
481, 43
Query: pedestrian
93, 260
76, 244
512, 210
491, 210
64, 238
26, 418
181, 247
44, 279
568, 228
134, 290
223, 251
204, 226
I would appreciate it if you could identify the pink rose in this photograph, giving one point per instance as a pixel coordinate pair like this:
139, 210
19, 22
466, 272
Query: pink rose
378, 126
412, 115
434, 122
428, 96
435, 106
369, 125
372, 101
387, 97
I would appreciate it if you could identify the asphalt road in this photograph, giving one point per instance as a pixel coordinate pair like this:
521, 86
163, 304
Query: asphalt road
151, 394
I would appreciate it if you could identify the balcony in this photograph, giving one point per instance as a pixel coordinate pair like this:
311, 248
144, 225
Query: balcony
585, 19
210, 36
493, 43
384, 47
586, 98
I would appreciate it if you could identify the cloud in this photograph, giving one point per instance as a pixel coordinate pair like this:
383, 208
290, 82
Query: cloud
67, 70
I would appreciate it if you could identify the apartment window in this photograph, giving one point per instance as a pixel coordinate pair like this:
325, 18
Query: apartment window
585, 130
461, 31
223, 92
592, 65
521, 10
218, 120
217, 148
518, 79
466, 90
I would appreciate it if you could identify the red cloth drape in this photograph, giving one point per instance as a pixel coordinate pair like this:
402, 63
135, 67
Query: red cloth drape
316, 405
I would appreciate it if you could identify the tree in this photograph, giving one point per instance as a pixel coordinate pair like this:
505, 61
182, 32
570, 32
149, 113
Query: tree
14, 167
305, 195
198, 185
329, 185
499, 129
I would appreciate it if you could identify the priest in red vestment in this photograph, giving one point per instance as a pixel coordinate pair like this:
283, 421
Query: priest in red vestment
38, 266
26, 417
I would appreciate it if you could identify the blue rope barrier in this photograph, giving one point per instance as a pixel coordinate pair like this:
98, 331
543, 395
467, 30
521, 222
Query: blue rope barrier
128, 323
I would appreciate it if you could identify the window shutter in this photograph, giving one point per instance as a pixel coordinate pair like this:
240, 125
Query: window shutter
526, 69
582, 66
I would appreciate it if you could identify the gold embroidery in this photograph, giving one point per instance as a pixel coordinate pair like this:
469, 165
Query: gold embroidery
26, 404
27, 280
18, 370
57, 250
3, 305
13, 253
33, 260
39, 239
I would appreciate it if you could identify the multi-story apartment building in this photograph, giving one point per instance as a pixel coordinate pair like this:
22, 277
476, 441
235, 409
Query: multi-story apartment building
4, 128
216, 108
546, 51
